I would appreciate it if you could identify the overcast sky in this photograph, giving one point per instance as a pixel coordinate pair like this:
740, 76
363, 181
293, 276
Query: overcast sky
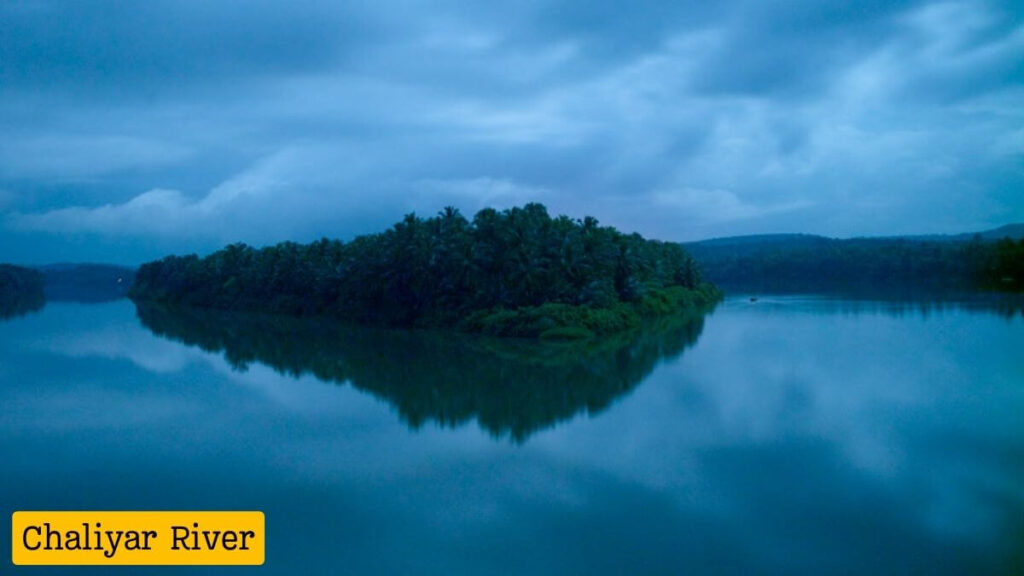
134, 129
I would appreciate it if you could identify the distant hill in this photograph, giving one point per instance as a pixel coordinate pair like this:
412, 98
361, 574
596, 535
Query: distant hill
808, 263
1012, 231
764, 240
86, 282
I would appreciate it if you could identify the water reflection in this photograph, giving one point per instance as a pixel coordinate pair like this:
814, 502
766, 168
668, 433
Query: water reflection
897, 305
512, 388
791, 440
15, 305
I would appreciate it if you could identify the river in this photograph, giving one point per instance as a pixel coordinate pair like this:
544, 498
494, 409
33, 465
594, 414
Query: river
794, 434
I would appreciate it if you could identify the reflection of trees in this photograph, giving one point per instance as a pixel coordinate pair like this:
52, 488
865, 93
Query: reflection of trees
12, 306
21, 291
1006, 306
510, 387
923, 303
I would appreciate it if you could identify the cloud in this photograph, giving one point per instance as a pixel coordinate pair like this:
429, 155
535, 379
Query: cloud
159, 208
129, 342
716, 205
258, 199
479, 193
118, 48
734, 117
69, 156
167, 213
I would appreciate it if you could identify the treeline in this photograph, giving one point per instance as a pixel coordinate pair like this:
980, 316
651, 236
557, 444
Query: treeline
21, 291
512, 388
799, 263
1005, 265
514, 272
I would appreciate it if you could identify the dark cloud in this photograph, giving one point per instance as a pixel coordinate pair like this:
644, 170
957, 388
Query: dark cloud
139, 128
125, 46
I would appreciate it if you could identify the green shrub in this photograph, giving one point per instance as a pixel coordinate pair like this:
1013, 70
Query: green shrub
566, 333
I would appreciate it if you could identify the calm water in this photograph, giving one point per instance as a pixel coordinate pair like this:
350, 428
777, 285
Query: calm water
791, 435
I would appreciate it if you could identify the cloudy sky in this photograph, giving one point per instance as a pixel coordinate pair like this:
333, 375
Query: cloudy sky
134, 129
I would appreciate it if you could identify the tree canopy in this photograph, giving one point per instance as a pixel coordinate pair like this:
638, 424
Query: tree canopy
799, 263
516, 272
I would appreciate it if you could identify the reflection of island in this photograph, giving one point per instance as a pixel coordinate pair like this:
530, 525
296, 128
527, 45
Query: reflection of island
511, 387
21, 291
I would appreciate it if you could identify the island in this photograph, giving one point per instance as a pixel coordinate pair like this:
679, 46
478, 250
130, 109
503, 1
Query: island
21, 291
516, 272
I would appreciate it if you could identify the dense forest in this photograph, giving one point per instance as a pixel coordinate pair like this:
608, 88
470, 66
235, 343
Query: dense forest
21, 291
511, 387
517, 272
802, 263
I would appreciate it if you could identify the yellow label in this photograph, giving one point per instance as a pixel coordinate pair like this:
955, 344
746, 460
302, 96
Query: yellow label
137, 538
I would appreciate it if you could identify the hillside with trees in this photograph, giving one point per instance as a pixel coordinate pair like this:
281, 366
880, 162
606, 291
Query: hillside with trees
21, 291
516, 272
804, 263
